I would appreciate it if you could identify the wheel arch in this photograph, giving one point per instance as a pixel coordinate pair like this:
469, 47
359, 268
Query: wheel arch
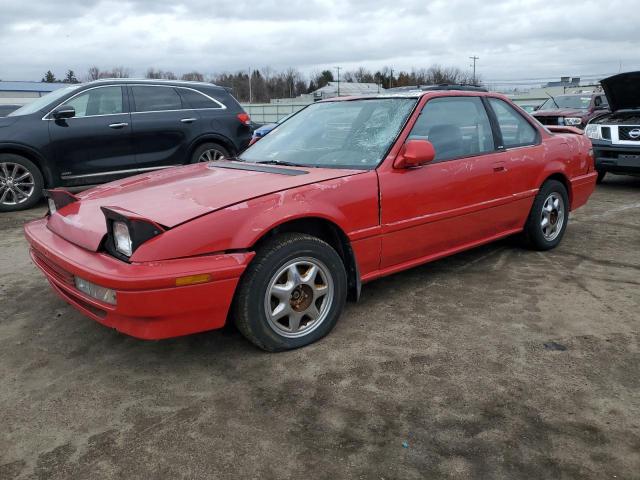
212, 138
34, 157
329, 232
562, 178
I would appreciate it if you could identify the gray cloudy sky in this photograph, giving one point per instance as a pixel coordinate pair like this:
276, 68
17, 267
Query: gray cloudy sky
514, 39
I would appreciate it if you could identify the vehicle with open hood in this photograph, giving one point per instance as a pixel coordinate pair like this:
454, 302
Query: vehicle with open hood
344, 192
616, 135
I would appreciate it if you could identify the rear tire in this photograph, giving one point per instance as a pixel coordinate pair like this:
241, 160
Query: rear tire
548, 217
21, 183
601, 174
292, 293
209, 152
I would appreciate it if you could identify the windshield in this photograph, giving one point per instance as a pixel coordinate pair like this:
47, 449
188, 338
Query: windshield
577, 102
42, 102
346, 134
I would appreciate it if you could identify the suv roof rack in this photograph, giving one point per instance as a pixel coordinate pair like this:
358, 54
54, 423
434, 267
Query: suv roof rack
442, 86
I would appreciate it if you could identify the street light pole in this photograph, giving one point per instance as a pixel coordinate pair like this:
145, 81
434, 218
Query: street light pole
474, 58
250, 96
338, 69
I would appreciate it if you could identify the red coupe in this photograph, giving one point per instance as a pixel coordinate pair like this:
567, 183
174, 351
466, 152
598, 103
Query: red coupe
346, 191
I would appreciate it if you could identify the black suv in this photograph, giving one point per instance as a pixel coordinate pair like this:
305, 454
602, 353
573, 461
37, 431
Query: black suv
97, 132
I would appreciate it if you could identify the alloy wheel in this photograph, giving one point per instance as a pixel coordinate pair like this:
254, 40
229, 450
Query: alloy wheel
299, 297
16, 183
552, 216
211, 155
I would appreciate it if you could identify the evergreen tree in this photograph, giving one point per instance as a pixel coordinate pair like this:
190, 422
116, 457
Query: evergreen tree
49, 77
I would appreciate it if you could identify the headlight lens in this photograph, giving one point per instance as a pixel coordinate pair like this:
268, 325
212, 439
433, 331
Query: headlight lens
572, 121
122, 238
102, 294
593, 132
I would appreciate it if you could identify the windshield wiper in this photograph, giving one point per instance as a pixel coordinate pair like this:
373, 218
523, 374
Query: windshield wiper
281, 162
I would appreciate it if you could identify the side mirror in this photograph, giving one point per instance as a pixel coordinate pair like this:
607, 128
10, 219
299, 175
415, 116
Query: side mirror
65, 111
415, 153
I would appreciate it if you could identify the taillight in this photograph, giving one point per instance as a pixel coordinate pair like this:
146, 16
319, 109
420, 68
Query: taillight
592, 161
244, 118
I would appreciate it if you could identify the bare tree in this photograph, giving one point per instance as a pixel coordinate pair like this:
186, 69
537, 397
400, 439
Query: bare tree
193, 77
93, 73
157, 74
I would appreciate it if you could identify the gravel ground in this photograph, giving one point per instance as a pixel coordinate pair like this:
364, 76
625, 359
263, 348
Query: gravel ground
498, 363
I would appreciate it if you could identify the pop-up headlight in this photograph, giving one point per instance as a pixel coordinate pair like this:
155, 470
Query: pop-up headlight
126, 232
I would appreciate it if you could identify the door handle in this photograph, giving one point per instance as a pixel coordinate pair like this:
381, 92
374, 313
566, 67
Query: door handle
499, 167
118, 125
188, 120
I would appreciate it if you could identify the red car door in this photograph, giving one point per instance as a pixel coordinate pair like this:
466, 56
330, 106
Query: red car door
460, 199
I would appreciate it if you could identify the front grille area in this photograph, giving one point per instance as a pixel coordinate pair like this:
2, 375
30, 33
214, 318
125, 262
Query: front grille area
606, 133
53, 269
623, 133
547, 120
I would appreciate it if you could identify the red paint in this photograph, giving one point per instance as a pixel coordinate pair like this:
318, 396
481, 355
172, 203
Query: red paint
394, 218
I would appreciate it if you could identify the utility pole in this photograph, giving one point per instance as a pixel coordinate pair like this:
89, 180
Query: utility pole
391, 79
250, 96
338, 69
474, 58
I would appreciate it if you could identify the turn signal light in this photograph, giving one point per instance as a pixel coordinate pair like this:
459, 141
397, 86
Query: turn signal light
193, 280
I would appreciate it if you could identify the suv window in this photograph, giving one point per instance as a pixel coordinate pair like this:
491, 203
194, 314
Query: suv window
194, 99
97, 101
515, 130
148, 98
456, 126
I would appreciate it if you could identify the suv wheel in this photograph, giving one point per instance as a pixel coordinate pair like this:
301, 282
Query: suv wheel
21, 183
209, 152
549, 216
292, 294
601, 174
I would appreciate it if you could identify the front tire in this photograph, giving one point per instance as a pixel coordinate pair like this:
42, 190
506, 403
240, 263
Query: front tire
21, 183
601, 174
549, 216
292, 293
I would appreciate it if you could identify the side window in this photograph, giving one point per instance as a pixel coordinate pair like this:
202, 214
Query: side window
98, 101
153, 99
193, 99
456, 126
516, 131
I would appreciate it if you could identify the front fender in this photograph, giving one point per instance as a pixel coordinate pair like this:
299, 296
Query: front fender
349, 202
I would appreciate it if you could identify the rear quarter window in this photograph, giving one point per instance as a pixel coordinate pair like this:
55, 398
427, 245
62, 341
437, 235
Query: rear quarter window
195, 99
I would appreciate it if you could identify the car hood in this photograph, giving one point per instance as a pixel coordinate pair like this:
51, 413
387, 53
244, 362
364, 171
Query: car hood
173, 196
623, 91
563, 112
